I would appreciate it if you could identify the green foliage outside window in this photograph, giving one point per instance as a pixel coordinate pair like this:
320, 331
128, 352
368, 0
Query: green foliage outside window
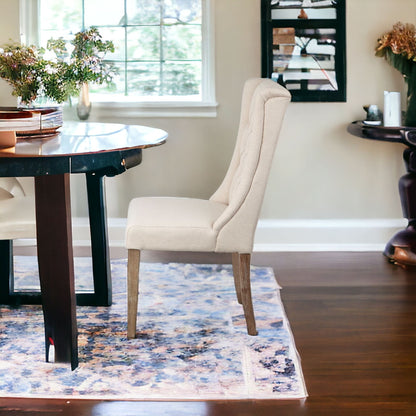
157, 42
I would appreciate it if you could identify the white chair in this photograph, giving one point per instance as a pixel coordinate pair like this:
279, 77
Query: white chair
226, 222
17, 220
17, 210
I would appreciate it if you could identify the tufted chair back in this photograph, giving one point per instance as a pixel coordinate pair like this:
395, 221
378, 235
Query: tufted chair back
263, 107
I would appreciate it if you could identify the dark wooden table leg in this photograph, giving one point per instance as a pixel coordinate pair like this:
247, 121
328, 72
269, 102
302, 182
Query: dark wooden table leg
99, 242
56, 266
102, 295
6, 270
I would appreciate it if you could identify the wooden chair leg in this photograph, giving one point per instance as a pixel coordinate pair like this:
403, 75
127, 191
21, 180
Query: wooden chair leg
133, 264
244, 267
236, 273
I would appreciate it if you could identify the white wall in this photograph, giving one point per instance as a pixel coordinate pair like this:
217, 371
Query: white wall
326, 187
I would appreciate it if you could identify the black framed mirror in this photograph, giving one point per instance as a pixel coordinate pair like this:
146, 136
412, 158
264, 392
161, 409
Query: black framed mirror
304, 47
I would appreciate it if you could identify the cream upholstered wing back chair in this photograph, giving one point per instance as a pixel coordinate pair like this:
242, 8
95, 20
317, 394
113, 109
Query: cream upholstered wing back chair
226, 222
17, 210
17, 220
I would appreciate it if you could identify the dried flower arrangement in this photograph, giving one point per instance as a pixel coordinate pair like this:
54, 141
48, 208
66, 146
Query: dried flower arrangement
398, 47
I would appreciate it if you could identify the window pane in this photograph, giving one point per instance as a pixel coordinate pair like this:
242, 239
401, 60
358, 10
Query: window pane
143, 12
103, 12
182, 11
181, 78
182, 42
143, 43
117, 36
143, 79
118, 85
57, 16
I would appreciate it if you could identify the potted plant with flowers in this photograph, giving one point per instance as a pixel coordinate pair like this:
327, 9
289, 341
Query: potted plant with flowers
398, 47
85, 64
31, 75
22, 66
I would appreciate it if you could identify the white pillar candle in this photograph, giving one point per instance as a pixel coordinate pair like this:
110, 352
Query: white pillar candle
392, 109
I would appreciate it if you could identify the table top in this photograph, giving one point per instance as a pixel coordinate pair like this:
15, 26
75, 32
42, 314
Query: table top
400, 134
80, 147
76, 138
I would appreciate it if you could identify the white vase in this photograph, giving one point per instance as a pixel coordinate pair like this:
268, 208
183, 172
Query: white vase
84, 103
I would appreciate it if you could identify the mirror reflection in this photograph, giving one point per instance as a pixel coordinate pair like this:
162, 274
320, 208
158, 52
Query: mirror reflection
292, 9
304, 58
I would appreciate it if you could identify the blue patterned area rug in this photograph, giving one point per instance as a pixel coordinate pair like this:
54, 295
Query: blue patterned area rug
192, 342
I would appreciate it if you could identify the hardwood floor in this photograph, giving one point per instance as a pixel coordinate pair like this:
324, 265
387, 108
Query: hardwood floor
353, 316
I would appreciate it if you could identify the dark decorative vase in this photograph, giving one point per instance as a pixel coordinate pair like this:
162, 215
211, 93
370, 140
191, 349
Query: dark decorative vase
410, 118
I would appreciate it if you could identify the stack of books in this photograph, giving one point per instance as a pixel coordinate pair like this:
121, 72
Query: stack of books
26, 122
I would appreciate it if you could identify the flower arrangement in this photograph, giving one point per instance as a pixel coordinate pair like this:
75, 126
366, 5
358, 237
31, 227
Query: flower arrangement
20, 66
398, 47
30, 74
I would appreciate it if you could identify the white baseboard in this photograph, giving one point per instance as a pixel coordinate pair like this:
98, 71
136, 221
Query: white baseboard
281, 235
326, 235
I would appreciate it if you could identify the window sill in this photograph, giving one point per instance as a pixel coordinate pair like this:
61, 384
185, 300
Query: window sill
126, 110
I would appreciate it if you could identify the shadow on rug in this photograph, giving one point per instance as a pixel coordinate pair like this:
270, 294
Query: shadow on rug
191, 341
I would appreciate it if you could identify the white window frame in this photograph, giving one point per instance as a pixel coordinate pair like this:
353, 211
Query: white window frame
130, 107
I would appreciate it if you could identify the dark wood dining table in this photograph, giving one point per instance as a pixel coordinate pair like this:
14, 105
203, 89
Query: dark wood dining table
97, 150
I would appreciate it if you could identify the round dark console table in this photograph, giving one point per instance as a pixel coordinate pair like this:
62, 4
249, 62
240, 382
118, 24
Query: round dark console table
401, 249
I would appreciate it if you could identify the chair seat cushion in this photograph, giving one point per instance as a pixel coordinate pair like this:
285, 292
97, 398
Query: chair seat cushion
174, 224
